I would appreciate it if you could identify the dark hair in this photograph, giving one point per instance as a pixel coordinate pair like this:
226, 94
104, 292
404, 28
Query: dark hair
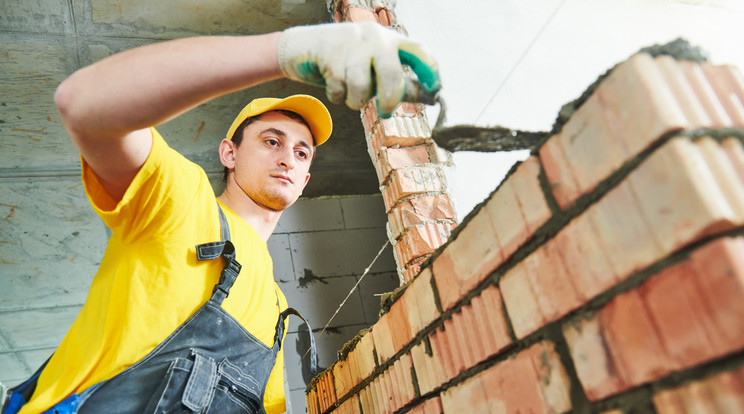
237, 137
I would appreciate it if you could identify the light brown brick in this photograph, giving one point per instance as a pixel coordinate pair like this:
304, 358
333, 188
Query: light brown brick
705, 94
679, 195
683, 92
725, 175
506, 217
558, 172
729, 88
622, 228
520, 301
526, 184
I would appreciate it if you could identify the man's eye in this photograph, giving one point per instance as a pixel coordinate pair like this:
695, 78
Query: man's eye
302, 154
272, 142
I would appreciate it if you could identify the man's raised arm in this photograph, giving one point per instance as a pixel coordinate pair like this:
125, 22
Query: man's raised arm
108, 106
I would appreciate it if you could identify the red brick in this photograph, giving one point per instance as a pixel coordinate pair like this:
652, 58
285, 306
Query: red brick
358, 14
678, 313
311, 402
383, 338
426, 308
724, 174
394, 158
735, 152
721, 393
474, 331
532, 382
530, 197
419, 210
705, 94
520, 301
506, 217
495, 321
464, 339
422, 239
443, 354
470, 394
399, 326
727, 83
719, 267
584, 256
342, 378
405, 365
551, 283
474, 254
622, 228
456, 352
678, 194
413, 180
595, 367
383, 16
404, 131
448, 284
592, 143
426, 378
638, 84
370, 118
364, 355
558, 172
633, 341
364, 400
410, 109
683, 92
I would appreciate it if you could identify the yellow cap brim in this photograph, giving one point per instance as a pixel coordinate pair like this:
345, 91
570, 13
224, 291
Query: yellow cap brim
309, 108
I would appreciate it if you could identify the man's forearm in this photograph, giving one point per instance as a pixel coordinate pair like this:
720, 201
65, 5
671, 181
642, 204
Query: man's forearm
151, 84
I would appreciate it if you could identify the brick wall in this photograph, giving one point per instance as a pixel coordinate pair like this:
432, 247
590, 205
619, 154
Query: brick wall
605, 274
409, 165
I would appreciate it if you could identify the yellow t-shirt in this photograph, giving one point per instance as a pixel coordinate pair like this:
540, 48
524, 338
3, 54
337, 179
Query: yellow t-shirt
149, 280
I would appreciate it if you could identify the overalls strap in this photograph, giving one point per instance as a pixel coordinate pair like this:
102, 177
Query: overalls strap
224, 248
280, 332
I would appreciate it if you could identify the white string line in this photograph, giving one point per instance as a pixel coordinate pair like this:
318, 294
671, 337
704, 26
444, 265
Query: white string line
519, 61
366, 270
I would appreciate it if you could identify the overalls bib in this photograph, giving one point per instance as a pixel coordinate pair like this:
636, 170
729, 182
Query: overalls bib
209, 364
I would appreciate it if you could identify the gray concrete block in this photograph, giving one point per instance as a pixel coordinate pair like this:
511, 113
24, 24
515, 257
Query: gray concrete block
328, 346
313, 214
363, 212
371, 289
296, 403
36, 16
338, 253
317, 300
279, 250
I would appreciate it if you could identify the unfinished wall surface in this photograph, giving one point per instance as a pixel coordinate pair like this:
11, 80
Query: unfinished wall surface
604, 274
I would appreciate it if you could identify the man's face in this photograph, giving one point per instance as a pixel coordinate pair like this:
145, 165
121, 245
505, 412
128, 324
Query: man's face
272, 162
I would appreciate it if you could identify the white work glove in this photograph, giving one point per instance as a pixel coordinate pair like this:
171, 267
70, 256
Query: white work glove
356, 61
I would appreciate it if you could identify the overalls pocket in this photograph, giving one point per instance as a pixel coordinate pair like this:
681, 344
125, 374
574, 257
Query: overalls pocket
236, 391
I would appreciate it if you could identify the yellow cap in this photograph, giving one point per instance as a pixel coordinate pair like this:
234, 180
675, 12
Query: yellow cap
309, 108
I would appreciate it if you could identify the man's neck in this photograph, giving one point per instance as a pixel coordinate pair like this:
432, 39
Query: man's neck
262, 220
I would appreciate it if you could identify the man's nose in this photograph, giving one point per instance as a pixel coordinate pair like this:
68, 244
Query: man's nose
286, 159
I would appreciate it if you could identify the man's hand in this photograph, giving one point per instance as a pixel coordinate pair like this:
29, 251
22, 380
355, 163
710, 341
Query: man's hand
356, 61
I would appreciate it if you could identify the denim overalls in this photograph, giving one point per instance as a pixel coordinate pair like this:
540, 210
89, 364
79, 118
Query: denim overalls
209, 364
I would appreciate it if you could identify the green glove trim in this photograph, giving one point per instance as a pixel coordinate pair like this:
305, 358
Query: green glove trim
428, 77
310, 73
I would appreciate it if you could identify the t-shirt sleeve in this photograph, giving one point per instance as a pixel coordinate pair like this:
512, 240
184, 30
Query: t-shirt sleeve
155, 200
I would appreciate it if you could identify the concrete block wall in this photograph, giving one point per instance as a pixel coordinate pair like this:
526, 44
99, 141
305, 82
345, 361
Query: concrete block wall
410, 167
320, 250
605, 274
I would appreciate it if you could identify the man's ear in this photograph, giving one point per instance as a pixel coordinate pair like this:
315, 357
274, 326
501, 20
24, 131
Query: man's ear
227, 153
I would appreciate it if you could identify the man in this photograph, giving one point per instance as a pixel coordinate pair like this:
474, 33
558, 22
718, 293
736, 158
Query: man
167, 326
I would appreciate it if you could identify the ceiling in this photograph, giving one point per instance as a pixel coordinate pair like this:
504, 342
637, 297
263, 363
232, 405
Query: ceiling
44, 41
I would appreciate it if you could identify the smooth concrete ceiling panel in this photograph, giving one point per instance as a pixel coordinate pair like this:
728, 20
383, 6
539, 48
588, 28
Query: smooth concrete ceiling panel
177, 18
51, 243
36, 16
33, 137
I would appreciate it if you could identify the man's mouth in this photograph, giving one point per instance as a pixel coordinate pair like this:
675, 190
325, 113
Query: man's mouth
284, 178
